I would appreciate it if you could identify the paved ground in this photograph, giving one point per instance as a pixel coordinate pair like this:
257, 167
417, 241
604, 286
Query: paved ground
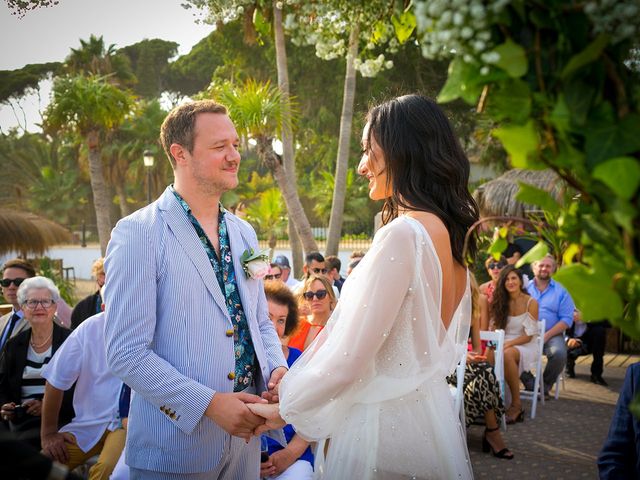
563, 441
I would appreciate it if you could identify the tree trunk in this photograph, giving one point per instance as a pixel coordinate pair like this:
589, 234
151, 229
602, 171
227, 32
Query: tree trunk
297, 215
265, 152
121, 192
342, 160
101, 197
297, 260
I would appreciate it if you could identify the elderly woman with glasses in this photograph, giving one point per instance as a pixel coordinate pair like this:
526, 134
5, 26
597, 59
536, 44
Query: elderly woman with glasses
24, 356
494, 267
318, 298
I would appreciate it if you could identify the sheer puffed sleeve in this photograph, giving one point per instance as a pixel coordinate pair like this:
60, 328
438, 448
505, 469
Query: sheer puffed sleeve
332, 373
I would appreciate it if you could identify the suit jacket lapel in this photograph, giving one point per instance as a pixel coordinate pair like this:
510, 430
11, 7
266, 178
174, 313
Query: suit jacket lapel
186, 235
238, 246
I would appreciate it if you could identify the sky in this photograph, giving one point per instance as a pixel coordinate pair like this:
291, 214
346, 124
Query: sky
48, 34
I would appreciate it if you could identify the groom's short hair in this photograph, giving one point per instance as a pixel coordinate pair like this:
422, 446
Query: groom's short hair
178, 127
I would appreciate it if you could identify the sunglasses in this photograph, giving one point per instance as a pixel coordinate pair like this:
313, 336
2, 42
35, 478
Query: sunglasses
320, 294
493, 265
323, 271
33, 304
275, 276
5, 282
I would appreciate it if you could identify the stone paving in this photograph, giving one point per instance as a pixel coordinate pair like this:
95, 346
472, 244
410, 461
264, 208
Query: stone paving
564, 439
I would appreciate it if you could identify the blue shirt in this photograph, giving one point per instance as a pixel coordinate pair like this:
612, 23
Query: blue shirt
245, 355
554, 304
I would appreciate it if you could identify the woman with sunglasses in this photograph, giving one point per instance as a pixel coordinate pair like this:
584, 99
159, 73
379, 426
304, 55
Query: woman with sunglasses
374, 378
494, 267
24, 356
318, 299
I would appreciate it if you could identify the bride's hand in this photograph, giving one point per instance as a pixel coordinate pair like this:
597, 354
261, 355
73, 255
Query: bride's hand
271, 414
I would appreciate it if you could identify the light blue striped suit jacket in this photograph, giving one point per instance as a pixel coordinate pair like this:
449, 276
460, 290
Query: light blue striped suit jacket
165, 332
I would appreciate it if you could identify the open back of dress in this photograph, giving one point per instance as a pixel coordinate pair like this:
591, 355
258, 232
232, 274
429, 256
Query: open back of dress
374, 379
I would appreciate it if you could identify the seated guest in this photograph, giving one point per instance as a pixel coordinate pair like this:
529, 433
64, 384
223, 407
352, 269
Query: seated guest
92, 304
494, 267
584, 339
14, 272
285, 268
295, 461
314, 264
515, 312
481, 388
620, 455
24, 356
95, 430
275, 272
316, 296
333, 266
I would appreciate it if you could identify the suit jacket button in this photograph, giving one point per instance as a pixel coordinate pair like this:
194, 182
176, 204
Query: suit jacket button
231, 376
229, 332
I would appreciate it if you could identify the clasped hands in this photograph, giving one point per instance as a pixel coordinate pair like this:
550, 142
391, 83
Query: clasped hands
243, 414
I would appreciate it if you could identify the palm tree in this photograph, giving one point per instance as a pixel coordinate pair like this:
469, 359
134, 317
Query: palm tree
95, 58
90, 106
256, 110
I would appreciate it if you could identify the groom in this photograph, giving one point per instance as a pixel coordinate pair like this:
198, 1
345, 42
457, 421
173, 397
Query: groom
186, 328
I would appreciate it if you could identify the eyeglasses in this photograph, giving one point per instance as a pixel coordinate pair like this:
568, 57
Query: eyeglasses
323, 271
33, 304
275, 276
320, 294
5, 282
493, 265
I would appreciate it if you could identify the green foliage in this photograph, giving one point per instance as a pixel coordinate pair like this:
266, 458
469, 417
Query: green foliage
575, 110
268, 215
16, 83
97, 59
87, 104
48, 269
149, 61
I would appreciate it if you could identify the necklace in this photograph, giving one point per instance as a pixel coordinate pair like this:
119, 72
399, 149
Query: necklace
43, 343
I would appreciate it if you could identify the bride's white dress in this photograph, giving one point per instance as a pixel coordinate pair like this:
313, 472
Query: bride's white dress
374, 379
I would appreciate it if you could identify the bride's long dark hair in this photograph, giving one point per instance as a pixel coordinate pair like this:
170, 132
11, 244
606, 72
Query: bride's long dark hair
426, 167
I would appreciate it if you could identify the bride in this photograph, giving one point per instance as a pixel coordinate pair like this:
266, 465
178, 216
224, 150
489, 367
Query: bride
373, 381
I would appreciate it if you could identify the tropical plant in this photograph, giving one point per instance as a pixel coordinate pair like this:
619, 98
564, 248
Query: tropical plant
90, 107
256, 110
95, 58
267, 215
558, 79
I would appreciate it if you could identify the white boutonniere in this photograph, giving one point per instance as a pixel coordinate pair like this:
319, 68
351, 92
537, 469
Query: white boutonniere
255, 264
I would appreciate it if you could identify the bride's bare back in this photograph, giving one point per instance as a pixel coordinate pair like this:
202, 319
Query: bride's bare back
454, 275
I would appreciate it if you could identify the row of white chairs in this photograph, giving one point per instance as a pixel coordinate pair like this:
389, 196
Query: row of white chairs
497, 337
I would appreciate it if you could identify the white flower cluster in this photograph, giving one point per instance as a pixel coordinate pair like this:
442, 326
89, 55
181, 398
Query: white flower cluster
327, 26
372, 66
458, 27
618, 18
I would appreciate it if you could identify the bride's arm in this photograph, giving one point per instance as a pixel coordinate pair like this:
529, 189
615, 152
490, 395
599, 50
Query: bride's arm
313, 392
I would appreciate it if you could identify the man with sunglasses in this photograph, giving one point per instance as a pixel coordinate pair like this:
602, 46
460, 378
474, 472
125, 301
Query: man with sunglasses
14, 272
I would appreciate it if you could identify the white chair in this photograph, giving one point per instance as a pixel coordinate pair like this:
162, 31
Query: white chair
538, 386
497, 337
458, 391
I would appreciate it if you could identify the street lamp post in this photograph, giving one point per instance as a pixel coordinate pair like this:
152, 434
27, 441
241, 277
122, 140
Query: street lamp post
147, 158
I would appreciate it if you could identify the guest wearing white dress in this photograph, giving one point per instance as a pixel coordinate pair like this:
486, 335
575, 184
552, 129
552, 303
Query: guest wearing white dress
374, 379
514, 311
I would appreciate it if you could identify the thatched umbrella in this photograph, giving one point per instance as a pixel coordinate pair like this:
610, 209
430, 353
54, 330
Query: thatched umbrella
498, 197
26, 232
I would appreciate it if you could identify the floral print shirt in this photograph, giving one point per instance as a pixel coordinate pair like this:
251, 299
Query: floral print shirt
245, 355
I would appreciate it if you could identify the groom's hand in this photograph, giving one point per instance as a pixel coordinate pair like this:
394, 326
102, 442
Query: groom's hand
274, 382
230, 412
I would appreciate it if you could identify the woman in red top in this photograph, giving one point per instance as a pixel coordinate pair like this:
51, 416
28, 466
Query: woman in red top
316, 296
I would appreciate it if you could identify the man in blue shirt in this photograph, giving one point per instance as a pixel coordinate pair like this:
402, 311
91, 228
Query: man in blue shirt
556, 308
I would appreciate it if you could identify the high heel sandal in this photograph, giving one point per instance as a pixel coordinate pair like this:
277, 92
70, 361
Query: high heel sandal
505, 453
518, 418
